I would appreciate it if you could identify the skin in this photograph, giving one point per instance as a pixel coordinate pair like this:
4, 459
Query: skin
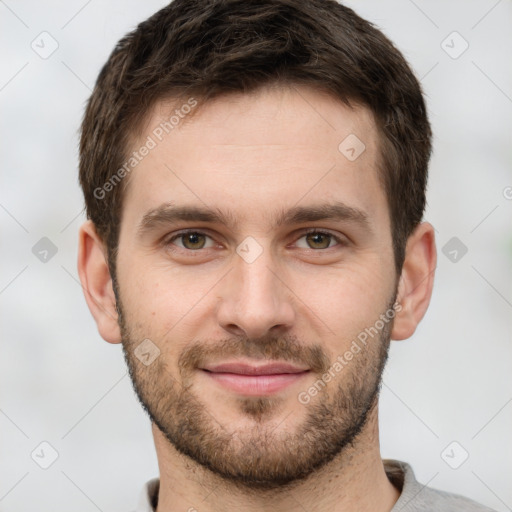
258, 155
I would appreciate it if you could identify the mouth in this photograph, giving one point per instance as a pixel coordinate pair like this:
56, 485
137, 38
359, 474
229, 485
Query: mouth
254, 380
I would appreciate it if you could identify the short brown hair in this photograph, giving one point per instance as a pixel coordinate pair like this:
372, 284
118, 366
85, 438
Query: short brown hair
208, 48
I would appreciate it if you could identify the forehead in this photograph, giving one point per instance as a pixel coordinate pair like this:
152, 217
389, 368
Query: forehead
252, 153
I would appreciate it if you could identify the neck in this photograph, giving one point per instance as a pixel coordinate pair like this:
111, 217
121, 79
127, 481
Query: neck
353, 481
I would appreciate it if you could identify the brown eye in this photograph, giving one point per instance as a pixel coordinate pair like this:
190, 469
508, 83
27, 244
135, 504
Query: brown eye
191, 241
318, 240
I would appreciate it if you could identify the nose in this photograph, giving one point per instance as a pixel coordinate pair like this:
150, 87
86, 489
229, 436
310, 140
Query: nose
254, 299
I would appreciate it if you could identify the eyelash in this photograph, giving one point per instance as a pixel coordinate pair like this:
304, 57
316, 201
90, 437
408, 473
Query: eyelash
312, 231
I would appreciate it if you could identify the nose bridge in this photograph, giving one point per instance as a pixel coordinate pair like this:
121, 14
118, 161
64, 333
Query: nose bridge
255, 300
258, 281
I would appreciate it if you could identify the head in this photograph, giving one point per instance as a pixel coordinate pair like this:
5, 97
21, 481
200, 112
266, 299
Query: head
254, 176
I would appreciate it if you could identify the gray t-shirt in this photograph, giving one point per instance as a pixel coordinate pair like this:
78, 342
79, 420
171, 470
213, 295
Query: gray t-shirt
414, 496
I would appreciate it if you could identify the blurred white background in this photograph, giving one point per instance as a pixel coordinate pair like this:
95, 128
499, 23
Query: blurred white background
61, 383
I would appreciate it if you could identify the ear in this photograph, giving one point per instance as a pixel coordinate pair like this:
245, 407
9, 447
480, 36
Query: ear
97, 283
416, 281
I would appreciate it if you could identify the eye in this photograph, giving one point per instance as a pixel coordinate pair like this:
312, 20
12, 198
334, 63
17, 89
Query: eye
318, 240
191, 240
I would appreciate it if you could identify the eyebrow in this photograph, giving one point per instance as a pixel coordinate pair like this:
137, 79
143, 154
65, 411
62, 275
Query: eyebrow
168, 213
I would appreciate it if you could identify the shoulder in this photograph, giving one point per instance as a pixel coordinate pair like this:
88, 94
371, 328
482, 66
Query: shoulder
416, 497
441, 500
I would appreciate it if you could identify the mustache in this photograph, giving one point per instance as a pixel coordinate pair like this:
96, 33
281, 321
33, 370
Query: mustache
283, 348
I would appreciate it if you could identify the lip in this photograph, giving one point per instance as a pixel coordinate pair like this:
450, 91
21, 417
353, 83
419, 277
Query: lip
252, 369
255, 380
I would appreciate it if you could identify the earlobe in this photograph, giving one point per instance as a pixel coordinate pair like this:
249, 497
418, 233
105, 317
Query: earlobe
416, 281
97, 283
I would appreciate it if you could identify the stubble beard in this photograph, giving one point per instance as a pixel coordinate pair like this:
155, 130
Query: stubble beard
262, 456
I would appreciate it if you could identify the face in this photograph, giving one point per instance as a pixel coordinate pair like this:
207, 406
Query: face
255, 258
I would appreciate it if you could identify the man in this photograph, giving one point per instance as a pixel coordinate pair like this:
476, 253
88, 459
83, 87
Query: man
254, 176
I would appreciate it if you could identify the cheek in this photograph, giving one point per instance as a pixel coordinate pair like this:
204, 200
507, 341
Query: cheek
162, 299
347, 300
